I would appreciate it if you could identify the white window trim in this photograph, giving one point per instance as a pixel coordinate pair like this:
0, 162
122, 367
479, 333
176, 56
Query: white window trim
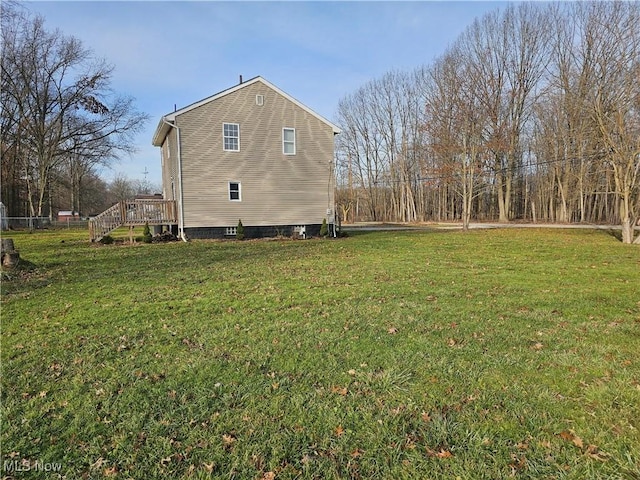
285, 142
260, 100
231, 231
239, 199
226, 136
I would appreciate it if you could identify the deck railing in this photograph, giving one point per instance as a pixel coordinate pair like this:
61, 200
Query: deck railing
132, 213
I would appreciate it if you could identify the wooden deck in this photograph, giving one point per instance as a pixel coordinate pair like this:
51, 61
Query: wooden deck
131, 213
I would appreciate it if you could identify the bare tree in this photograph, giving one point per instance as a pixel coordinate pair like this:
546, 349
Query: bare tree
507, 55
533, 112
616, 102
361, 146
13, 186
121, 188
455, 123
57, 104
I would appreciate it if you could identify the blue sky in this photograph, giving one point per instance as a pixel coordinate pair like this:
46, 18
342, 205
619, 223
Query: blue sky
170, 53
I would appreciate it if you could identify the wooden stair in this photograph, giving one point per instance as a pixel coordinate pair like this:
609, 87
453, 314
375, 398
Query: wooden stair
132, 213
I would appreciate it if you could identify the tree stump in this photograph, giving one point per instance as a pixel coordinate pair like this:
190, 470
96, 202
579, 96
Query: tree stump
10, 259
7, 245
9, 256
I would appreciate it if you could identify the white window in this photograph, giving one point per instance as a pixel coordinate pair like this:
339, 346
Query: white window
231, 137
300, 230
289, 141
231, 231
235, 192
259, 100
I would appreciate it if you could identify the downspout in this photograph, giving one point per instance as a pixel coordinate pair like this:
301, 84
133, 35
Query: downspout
180, 197
332, 186
332, 207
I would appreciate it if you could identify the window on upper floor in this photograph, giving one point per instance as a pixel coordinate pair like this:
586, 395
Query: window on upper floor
231, 137
289, 141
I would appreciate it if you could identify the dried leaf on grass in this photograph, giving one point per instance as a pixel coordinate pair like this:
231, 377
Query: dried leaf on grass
591, 451
570, 436
228, 440
442, 453
356, 453
339, 390
111, 471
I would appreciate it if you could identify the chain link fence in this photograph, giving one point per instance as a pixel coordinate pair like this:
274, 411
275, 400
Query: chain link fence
40, 223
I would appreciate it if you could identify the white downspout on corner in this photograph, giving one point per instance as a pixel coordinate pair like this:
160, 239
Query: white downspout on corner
331, 206
180, 196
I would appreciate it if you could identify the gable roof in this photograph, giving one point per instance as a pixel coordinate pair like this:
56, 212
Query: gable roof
163, 126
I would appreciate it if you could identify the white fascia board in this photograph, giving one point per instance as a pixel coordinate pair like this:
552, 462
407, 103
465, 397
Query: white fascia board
161, 132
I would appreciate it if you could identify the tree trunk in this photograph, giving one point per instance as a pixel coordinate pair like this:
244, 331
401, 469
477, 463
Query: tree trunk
503, 218
533, 212
627, 231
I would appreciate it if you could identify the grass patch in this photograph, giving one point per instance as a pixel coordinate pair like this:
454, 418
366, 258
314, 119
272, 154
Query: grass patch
489, 354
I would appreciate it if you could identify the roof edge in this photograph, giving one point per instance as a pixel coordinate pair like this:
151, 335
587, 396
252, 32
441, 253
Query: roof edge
161, 132
163, 128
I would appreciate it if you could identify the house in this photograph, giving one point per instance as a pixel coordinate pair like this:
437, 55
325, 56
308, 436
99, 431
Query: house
251, 153
148, 196
66, 215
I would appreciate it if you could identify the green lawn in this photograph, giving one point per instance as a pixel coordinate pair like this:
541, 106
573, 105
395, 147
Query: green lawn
437, 355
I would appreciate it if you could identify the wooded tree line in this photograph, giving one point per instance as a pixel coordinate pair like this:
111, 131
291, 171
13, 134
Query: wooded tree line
61, 122
533, 113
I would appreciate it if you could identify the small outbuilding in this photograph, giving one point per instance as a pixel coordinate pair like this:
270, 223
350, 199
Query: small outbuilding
64, 215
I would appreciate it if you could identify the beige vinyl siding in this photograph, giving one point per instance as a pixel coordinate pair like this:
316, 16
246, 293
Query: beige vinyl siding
277, 189
170, 166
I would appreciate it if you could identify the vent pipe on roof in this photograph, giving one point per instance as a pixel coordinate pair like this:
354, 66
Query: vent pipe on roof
240, 79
